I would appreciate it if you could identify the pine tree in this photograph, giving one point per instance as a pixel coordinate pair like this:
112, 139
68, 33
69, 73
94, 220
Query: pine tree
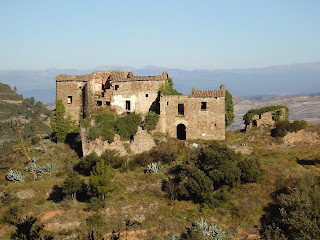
100, 179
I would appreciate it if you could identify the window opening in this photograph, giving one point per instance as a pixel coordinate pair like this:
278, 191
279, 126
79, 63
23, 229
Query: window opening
203, 105
99, 103
147, 95
181, 109
108, 103
167, 103
128, 105
69, 99
116, 87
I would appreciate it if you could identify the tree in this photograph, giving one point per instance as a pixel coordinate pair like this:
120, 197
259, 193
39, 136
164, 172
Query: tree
167, 88
29, 229
100, 179
61, 124
229, 109
72, 185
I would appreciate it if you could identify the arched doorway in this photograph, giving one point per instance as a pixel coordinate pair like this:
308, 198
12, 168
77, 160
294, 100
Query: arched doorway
181, 132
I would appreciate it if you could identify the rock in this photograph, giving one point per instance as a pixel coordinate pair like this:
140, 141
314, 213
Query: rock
25, 194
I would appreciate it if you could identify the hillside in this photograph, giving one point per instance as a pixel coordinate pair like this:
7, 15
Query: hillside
18, 114
147, 204
301, 107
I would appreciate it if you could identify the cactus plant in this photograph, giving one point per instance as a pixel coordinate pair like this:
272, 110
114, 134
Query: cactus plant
153, 168
15, 176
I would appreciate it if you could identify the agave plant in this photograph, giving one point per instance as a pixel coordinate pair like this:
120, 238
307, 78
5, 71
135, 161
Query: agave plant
48, 168
153, 168
212, 231
15, 176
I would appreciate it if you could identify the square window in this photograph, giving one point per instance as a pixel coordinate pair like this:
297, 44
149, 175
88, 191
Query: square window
99, 103
203, 105
116, 87
69, 99
108, 103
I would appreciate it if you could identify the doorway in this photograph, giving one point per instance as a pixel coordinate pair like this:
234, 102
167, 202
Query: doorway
181, 132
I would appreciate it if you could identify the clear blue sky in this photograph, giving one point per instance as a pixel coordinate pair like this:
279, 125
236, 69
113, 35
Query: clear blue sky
177, 34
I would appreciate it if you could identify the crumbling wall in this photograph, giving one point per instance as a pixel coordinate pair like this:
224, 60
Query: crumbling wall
142, 141
265, 119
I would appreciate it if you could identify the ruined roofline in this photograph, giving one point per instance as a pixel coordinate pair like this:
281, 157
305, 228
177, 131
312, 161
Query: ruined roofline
208, 93
115, 76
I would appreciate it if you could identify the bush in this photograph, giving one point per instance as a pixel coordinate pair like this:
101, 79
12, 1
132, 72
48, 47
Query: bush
113, 158
127, 126
94, 133
251, 170
87, 163
193, 185
295, 213
72, 185
151, 121
220, 164
283, 127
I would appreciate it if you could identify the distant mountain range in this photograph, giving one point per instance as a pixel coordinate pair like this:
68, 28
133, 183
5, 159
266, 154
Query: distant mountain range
269, 81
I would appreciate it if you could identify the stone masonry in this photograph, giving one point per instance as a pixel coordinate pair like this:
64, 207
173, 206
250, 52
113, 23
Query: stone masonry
200, 115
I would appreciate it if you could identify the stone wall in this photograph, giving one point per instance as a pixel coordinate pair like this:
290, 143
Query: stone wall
208, 124
143, 141
71, 92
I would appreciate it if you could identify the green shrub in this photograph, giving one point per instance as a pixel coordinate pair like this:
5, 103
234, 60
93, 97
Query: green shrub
127, 126
220, 164
107, 135
283, 127
94, 133
293, 216
151, 121
87, 163
193, 185
113, 158
251, 170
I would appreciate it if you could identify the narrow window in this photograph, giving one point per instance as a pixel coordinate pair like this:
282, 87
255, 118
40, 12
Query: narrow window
147, 95
203, 105
108, 103
128, 105
116, 87
181, 109
167, 103
99, 103
69, 99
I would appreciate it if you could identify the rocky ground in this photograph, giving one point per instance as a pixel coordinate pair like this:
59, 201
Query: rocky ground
301, 107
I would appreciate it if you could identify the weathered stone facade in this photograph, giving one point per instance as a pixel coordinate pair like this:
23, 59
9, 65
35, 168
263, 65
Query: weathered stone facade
200, 115
265, 119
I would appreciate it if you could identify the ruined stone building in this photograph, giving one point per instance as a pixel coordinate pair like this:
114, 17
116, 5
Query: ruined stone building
200, 115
